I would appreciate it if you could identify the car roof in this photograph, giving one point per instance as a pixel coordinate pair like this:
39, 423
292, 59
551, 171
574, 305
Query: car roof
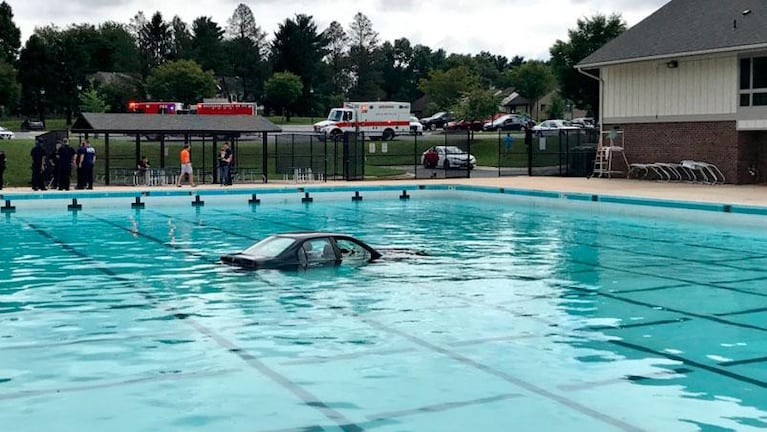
300, 235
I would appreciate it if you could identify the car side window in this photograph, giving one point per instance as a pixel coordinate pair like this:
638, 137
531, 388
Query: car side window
316, 252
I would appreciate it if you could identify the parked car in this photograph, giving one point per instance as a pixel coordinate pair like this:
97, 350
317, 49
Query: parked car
437, 121
30, 125
447, 157
6, 134
416, 128
509, 122
552, 127
584, 122
475, 125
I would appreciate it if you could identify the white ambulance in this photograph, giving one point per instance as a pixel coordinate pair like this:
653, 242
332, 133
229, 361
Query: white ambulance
376, 119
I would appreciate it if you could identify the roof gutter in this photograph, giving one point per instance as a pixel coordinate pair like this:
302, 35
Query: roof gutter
725, 50
601, 99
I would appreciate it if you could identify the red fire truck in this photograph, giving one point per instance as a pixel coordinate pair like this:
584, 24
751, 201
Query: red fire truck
226, 108
156, 107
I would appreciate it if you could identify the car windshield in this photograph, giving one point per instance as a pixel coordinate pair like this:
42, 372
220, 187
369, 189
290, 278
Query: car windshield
269, 247
335, 115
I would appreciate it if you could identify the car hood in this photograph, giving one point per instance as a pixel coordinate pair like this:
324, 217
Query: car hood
323, 123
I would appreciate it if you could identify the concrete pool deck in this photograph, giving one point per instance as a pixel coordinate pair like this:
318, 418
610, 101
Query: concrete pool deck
750, 195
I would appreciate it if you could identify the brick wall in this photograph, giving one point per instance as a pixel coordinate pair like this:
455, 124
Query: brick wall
718, 143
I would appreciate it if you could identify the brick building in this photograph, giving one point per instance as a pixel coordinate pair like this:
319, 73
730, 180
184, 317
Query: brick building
690, 82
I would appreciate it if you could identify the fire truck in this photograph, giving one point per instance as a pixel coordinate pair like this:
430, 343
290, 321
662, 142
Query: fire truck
226, 108
156, 107
375, 119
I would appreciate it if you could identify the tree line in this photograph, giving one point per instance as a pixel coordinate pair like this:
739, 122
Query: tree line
301, 69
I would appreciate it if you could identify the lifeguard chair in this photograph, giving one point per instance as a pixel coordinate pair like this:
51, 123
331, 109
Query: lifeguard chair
610, 144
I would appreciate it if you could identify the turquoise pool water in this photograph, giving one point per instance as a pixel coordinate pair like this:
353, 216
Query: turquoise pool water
525, 317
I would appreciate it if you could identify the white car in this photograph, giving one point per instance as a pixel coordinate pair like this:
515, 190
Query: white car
553, 127
6, 134
416, 128
447, 157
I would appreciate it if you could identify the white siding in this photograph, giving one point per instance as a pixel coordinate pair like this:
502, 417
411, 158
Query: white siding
697, 87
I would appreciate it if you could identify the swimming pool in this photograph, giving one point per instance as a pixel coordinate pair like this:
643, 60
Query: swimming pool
527, 316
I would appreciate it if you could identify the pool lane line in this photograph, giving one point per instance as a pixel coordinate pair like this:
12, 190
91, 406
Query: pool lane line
639, 324
742, 362
445, 406
641, 348
742, 312
519, 382
307, 397
692, 363
120, 383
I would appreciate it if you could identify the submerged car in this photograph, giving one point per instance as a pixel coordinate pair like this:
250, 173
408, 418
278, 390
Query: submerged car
447, 157
301, 250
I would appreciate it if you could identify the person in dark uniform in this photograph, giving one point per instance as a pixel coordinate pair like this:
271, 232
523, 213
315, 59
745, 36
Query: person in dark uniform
2, 168
53, 163
80, 156
66, 157
88, 161
38, 157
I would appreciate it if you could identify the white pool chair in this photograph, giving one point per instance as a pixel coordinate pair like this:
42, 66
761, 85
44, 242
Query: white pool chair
704, 171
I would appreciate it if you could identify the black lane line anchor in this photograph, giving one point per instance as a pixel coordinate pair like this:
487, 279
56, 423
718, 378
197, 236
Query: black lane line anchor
74, 206
404, 195
253, 200
357, 196
8, 208
307, 198
197, 202
138, 204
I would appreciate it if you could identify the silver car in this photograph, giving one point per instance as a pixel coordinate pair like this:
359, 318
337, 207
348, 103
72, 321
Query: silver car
447, 157
6, 134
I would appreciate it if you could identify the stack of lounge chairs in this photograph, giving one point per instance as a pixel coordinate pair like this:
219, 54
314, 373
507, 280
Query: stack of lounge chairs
686, 170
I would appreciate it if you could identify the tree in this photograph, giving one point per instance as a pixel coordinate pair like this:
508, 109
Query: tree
444, 88
299, 48
282, 89
477, 104
9, 89
180, 80
337, 59
533, 80
10, 35
154, 40
245, 50
181, 48
116, 50
207, 38
36, 67
590, 35
363, 43
92, 100
242, 25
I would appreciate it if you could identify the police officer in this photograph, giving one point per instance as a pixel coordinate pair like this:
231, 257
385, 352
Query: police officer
38, 157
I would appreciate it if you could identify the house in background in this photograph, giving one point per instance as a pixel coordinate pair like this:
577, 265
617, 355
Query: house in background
513, 102
690, 82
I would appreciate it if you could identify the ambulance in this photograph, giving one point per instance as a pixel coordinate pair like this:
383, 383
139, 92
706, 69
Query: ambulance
376, 119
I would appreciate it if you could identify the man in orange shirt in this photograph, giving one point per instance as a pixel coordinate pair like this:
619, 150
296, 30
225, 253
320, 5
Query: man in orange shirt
186, 166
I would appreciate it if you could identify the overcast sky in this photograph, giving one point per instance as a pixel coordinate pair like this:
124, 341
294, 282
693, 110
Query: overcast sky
506, 27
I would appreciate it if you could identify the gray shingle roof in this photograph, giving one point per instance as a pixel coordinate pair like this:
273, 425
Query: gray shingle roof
177, 124
685, 27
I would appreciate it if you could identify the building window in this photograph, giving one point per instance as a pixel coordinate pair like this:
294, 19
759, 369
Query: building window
753, 81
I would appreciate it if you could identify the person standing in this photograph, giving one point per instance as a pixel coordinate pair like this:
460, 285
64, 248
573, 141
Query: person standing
143, 172
186, 166
79, 157
38, 158
54, 166
2, 168
89, 160
65, 160
224, 165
